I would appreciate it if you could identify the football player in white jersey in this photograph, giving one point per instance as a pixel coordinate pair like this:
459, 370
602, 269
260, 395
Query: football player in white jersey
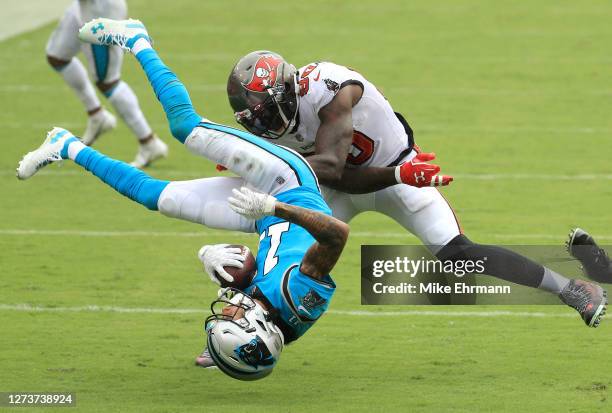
365, 156
104, 64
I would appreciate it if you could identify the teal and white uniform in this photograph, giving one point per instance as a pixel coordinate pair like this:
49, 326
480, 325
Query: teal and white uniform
298, 299
295, 299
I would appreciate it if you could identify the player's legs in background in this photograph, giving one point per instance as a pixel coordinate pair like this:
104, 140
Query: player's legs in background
426, 214
105, 67
62, 47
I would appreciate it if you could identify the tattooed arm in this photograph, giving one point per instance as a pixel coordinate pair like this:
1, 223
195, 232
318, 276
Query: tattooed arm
331, 235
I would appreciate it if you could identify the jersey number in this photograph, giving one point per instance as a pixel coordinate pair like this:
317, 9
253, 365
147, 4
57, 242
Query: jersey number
304, 82
361, 149
275, 232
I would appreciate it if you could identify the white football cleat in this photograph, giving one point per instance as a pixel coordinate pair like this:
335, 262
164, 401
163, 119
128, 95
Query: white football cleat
149, 152
50, 151
97, 124
108, 32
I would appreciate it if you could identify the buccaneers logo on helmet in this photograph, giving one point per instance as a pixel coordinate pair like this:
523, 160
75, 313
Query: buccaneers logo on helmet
264, 75
262, 90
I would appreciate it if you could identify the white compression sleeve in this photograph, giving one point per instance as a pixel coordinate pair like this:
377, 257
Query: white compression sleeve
75, 76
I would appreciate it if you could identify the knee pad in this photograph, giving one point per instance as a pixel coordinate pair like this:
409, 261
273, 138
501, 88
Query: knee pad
183, 204
170, 202
214, 213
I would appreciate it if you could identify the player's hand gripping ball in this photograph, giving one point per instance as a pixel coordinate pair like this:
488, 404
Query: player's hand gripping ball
229, 265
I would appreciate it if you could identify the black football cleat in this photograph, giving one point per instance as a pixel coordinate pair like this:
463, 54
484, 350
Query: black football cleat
589, 299
595, 262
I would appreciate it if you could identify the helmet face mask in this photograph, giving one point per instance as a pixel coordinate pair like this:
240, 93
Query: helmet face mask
242, 341
262, 90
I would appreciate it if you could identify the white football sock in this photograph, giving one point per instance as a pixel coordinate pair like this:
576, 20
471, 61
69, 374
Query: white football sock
74, 148
75, 75
140, 45
126, 103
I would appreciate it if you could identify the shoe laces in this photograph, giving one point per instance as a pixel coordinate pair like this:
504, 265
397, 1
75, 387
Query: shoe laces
114, 39
576, 296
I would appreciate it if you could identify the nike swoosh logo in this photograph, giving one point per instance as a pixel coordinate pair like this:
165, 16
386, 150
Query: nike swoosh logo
318, 76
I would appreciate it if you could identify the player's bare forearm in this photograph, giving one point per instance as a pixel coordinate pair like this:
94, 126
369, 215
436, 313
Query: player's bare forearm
329, 159
325, 229
331, 235
334, 136
326, 168
364, 180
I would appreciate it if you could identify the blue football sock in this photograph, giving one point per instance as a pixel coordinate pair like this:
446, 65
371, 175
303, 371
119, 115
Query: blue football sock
171, 93
124, 178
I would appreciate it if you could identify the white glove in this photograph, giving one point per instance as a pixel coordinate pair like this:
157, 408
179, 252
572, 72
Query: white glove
215, 257
251, 204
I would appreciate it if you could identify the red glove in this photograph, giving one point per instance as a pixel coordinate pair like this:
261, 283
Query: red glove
220, 168
417, 172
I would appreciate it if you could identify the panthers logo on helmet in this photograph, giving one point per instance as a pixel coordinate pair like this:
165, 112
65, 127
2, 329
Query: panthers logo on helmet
265, 73
255, 353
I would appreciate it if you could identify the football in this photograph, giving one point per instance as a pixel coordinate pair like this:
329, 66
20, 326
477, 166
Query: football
242, 276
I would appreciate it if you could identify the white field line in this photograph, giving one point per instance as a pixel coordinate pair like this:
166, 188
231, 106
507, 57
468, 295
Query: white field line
206, 232
467, 176
354, 313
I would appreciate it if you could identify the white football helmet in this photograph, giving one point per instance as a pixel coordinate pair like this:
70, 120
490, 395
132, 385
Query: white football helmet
247, 348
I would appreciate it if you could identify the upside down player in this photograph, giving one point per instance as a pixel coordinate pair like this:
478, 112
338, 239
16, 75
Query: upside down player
104, 64
362, 151
300, 241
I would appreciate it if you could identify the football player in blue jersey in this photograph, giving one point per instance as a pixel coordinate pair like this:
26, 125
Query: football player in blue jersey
277, 196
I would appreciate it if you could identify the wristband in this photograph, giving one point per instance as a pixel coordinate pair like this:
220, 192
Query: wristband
269, 205
398, 174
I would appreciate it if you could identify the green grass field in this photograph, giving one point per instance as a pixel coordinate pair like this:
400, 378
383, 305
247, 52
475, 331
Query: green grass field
515, 99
